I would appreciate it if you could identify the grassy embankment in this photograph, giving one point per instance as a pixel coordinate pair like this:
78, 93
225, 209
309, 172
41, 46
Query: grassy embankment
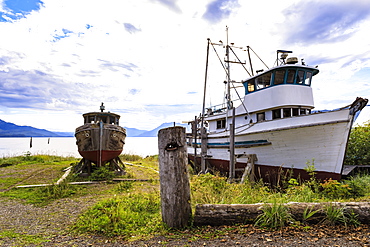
131, 209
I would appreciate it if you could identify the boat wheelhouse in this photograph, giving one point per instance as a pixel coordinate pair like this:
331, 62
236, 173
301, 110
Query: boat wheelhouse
281, 92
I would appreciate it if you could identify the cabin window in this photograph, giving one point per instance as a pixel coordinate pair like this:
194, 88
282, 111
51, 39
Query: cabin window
302, 111
103, 119
295, 112
307, 81
221, 124
260, 117
291, 75
300, 76
276, 113
263, 80
287, 112
91, 119
251, 86
279, 77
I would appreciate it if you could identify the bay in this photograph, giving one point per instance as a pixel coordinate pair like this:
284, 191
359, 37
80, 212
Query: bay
66, 146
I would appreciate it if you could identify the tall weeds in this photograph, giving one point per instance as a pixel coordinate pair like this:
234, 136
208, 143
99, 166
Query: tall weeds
207, 188
134, 214
274, 215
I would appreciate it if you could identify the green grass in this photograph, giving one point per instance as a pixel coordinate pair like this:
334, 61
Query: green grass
21, 239
125, 216
132, 209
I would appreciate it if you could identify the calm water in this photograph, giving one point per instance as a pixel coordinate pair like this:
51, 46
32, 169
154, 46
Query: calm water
66, 146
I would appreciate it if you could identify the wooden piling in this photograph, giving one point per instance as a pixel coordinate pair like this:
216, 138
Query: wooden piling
232, 147
174, 181
204, 143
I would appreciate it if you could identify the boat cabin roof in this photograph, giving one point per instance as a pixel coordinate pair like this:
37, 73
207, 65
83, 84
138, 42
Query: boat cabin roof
105, 117
285, 74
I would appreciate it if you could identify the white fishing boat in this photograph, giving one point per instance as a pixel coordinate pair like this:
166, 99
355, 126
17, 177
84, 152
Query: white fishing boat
274, 121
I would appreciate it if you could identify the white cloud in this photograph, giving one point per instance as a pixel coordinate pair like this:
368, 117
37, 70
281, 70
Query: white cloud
146, 59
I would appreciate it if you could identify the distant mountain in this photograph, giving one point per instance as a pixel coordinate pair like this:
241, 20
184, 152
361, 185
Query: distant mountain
154, 132
65, 134
132, 132
13, 130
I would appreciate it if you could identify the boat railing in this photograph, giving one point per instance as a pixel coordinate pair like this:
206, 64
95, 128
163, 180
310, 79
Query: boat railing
220, 108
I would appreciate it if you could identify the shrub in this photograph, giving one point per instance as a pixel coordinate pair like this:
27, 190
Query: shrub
359, 145
332, 189
359, 184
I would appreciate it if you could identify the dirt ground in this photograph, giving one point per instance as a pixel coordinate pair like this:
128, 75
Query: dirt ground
51, 223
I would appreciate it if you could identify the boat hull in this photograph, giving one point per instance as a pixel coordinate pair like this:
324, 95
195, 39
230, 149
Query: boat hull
100, 143
288, 144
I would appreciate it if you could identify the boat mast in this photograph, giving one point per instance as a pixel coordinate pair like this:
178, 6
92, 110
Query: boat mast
228, 97
230, 107
203, 132
205, 84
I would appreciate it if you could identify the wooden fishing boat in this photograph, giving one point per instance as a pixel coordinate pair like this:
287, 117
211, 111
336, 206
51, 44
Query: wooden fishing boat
100, 139
275, 122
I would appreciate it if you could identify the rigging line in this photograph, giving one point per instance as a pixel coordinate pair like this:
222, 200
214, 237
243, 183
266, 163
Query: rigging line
219, 59
259, 58
245, 108
240, 62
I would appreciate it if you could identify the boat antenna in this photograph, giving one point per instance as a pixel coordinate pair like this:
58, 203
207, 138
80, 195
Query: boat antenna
102, 107
284, 54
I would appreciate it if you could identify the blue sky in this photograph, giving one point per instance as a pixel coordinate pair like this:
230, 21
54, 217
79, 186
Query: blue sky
145, 59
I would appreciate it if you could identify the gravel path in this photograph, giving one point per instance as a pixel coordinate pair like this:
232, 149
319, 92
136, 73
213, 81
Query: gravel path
51, 223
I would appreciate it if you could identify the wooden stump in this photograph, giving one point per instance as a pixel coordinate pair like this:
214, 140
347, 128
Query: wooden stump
174, 181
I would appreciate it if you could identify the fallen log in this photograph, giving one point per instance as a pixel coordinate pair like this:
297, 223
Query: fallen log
231, 214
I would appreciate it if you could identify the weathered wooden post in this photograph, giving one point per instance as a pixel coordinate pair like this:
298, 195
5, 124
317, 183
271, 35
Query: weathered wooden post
174, 181
203, 145
232, 148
